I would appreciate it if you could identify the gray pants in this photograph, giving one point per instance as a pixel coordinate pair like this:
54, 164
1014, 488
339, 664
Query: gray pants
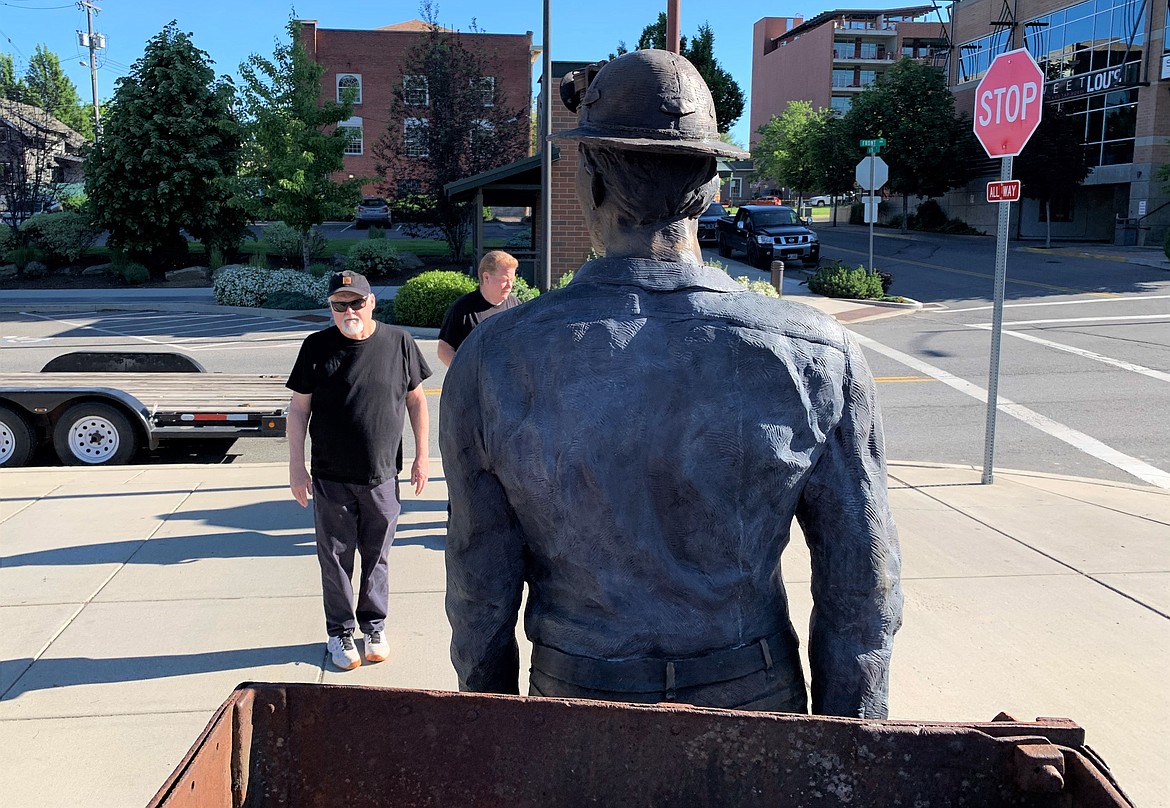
355, 518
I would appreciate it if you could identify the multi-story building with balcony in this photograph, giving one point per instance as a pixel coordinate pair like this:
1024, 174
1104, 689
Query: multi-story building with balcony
830, 58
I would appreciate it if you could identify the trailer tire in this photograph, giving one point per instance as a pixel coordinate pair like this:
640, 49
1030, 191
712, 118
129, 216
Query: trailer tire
93, 434
17, 439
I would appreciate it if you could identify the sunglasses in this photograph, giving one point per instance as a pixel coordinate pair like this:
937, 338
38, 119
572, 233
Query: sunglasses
340, 306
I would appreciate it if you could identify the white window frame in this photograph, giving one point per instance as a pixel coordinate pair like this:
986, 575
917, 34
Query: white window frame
480, 126
357, 136
410, 93
357, 99
487, 89
419, 151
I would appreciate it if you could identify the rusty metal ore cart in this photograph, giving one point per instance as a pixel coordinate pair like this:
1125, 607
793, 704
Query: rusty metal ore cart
319, 745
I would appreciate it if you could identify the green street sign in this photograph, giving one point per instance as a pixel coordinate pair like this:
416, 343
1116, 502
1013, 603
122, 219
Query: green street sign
875, 143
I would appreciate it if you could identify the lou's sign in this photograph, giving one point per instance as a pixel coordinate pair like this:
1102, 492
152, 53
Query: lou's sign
1099, 81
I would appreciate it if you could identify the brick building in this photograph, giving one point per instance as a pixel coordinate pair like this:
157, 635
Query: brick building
1107, 63
829, 59
369, 62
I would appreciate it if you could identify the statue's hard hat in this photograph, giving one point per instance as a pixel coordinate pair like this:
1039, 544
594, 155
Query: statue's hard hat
646, 100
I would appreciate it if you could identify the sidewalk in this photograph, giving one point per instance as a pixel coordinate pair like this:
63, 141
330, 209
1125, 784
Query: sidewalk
1038, 596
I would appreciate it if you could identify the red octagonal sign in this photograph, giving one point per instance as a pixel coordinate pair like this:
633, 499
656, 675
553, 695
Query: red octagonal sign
1008, 103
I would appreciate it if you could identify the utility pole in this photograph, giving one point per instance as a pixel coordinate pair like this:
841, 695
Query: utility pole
672, 25
93, 41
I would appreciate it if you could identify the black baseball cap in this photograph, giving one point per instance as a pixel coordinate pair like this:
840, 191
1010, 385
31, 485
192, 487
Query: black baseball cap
348, 281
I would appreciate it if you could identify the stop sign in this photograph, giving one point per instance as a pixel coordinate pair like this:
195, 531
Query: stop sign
1008, 103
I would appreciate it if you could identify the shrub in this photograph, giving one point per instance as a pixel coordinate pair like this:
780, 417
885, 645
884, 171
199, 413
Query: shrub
374, 259
64, 237
375, 232
759, 287
23, 256
7, 239
1166, 244
384, 311
424, 299
958, 227
215, 258
857, 213
320, 270
837, 280
132, 273
523, 291
564, 280
250, 286
286, 243
930, 216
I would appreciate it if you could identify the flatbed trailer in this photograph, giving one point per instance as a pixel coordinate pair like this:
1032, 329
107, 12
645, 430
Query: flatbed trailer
105, 417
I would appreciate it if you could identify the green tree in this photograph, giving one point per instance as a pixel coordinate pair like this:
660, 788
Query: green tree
9, 85
1053, 163
448, 121
832, 154
46, 86
784, 153
700, 51
929, 148
294, 146
169, 149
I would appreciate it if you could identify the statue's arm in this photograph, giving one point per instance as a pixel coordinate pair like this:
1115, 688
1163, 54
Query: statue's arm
484, 551
856, 565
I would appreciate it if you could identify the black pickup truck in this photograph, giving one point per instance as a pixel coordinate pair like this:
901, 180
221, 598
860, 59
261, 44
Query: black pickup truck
767, 232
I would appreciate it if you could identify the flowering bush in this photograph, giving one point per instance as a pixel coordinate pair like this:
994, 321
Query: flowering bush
251, 286
759, 287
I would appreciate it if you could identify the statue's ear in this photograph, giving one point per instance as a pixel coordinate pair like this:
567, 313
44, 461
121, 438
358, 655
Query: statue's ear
596, 183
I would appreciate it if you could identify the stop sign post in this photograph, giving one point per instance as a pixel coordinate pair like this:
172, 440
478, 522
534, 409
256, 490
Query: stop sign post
871, 173
1009, 102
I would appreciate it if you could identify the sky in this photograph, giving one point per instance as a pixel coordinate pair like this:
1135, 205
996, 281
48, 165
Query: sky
230, 31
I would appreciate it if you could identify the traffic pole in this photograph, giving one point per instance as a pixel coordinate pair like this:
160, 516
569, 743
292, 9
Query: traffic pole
996, 328
868, 202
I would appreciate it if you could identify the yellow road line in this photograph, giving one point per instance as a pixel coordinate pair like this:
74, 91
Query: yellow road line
984, 275
432, 391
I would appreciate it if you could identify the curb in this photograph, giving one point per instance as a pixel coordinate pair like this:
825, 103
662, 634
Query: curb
1043, 475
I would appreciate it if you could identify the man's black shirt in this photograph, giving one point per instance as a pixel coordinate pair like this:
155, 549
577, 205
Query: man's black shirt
359, 392
467, 312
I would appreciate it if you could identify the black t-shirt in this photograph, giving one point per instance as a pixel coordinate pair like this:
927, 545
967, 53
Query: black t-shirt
467, 312
359, 401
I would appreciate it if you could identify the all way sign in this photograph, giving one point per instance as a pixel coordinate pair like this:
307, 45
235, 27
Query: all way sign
1003, 191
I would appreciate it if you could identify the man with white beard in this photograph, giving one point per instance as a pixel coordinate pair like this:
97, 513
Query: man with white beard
352, 385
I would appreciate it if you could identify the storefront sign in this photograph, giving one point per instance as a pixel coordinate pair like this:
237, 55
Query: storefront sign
1099, 81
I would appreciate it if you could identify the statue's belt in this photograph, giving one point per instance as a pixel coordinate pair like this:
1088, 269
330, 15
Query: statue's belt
654, 675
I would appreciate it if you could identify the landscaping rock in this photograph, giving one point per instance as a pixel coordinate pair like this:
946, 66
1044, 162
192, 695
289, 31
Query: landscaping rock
98, 269
410, 261
216, 273
189, 275
8, 271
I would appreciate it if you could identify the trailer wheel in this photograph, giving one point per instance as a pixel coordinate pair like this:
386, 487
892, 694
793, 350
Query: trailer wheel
17, 440
93, 434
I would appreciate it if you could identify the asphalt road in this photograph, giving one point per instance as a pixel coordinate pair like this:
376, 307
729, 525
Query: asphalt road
1085, 367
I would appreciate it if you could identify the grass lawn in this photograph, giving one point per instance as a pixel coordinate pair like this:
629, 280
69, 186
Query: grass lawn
422, 247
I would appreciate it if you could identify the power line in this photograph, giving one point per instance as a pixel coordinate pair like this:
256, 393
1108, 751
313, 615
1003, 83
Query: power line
34, 8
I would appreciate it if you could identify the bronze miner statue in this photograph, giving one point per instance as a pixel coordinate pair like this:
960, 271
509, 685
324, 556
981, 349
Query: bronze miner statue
635, 446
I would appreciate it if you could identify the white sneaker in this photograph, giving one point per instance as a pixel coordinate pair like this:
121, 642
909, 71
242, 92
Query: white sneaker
343, 652
377, 649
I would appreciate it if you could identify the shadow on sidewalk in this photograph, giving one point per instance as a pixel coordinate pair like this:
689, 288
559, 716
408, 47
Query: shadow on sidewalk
43, 674
170, 550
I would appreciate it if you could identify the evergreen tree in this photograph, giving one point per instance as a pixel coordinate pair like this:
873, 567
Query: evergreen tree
929, 148
169, 149
46, 86
699, 51
448, 120
1053, 163
294, 144
9, 85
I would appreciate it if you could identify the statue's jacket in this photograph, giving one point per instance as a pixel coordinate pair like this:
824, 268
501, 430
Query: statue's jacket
635, 447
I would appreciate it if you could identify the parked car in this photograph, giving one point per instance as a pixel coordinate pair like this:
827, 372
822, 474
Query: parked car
820, 200
767, 232
767, 200
373, 210
708, 223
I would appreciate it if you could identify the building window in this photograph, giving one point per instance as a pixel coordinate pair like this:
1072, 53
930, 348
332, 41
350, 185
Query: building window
1091, 54
843, 78
975, 57
866, 78
349, 83
734, 188
416, 137
844, 50
415, 91
480, 135
840, 104
409, 188
356, 142
487, 90
869, 50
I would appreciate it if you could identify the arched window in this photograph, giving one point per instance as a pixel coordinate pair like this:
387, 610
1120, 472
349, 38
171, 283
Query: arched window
351, 83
